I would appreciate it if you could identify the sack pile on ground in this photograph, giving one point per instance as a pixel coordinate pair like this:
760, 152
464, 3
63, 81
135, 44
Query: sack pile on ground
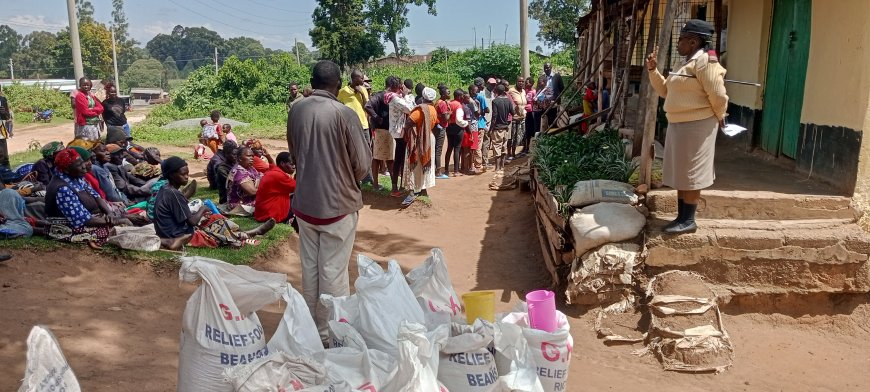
605, 229
396, 333
686, 325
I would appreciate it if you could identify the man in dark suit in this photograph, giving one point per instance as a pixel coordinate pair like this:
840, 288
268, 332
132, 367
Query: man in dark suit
554, 82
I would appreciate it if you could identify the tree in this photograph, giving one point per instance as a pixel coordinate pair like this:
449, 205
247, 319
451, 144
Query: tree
96, 42
145, 73
404, 50
305, 56
341, 33
84, 11
119, 21
172, 71
390, 18
244, 48
10, 42
36, 58
557, 19
188, 45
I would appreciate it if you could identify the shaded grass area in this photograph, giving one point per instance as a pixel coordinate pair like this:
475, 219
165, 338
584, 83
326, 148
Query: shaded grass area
245, 255
18, 158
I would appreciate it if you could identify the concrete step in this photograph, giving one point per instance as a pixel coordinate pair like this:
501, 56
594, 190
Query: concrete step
718, 204
767, 256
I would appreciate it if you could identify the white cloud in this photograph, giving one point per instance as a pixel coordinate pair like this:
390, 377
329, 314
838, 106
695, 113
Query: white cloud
30, 23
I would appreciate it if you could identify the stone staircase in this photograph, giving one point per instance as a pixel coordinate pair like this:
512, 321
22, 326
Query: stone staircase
759, 243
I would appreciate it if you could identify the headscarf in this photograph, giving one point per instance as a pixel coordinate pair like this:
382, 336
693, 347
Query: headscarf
254, 144
429, 94
51, 148
86, 144
85, 154
171, 165
65, 158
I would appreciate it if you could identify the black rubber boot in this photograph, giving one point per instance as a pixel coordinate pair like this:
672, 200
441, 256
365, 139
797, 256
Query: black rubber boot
687, 225
681, 213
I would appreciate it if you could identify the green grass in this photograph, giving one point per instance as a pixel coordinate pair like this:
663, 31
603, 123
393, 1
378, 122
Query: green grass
245, 255
386, 186
30, 156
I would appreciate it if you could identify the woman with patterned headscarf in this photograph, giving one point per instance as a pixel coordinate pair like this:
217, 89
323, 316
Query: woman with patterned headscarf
76, 212
259, 151
45, 166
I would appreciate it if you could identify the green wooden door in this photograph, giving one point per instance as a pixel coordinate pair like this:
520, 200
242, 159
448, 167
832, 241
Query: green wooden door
786, 74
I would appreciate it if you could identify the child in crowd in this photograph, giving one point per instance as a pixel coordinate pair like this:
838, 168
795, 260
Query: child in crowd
228, 133
210, 135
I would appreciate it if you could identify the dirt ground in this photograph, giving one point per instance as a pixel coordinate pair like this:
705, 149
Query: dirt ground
44, 133
118, 322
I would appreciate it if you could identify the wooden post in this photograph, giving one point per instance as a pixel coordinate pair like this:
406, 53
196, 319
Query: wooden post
644, 81
617, 99
652, 98
600, 80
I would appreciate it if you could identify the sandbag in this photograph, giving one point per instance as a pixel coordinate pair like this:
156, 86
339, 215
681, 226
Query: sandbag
220, 327
551, 351
279, 372
418, 359
468, 359
46, 369
431, 284
297, 333
142, 238
602, 223
621, 322
342, 309
603, 273
385, 301
597, 191
352, 361
686, 324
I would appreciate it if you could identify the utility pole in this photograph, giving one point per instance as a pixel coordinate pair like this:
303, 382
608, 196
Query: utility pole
524, 40
11, 70
74, 39
490, 36
505, 33
215, 61
115, 59
475, 37
296, 49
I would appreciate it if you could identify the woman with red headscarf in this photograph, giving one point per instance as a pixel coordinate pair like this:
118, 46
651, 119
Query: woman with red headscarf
76, 212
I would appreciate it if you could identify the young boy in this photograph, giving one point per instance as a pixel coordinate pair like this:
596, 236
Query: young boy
228, 133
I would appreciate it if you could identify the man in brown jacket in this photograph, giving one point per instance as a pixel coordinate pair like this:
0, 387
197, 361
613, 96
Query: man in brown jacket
326, 141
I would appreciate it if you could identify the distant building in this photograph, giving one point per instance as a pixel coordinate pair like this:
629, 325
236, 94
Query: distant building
62, 85
146, 96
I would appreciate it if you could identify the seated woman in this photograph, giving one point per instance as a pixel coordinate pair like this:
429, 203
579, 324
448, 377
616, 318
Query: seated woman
13, 224
242, 183
177, 226
43, 169
75, 211
276, 187
259, 153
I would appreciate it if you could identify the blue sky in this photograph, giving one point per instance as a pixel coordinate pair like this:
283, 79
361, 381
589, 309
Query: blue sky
277, 22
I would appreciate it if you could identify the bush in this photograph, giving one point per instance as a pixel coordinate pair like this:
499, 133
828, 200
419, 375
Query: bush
23, 98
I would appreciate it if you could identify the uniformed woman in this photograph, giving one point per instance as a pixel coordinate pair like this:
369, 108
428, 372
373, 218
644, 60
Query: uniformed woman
695, 104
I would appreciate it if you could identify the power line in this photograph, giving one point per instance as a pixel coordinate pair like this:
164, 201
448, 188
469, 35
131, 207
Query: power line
279, 9
246, 12
224, 23
41, 26
232, 15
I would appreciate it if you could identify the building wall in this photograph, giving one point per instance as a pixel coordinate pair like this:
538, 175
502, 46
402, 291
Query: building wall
835, 95
746, 53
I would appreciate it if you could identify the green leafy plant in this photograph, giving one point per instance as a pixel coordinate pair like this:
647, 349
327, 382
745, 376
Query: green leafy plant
22, 99
566, 158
